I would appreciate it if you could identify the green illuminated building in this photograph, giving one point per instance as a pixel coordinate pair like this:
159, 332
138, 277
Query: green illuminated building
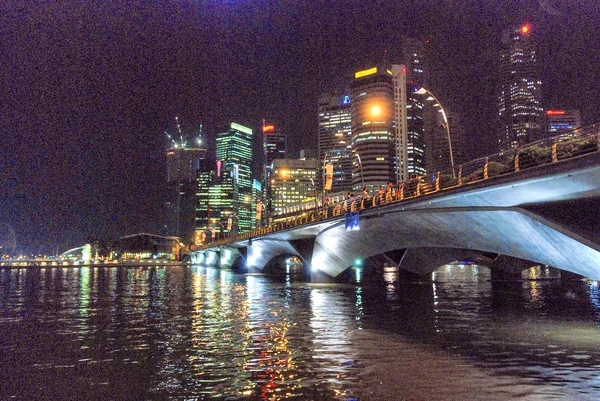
232, 195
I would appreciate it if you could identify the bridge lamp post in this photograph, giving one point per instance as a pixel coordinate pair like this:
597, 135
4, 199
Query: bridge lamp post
423, 91
222, 232
362, 177
328, 168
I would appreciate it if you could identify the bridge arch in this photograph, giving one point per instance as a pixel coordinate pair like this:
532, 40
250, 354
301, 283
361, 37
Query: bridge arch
435, 237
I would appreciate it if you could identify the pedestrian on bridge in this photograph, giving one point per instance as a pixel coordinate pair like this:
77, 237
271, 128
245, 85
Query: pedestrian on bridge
381, 195
390, 193
337, 209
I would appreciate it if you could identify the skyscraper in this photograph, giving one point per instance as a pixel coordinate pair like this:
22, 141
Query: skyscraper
223, 200
520, 110
406, 149
275, 143
373, 128
413, 57
274, 147
204, 181
379, 130
184, 158
335, 138
234, 172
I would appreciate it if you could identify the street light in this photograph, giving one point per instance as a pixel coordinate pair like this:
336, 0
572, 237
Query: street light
328, 166
423, 91
362, 178
223, 230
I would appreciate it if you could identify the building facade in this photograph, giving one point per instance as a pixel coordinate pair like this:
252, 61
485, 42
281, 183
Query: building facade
275, 143
373, 128
414, 60
233, 192
204, 181
520, 112
293, 184
405, 132
379, 127
335, 138
183, 165
274, 147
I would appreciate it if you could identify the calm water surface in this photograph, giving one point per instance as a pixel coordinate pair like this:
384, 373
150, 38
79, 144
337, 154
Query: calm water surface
192, 333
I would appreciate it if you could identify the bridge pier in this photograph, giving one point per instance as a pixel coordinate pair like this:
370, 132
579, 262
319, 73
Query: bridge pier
509, 268
318, 277
423, 260
570, 276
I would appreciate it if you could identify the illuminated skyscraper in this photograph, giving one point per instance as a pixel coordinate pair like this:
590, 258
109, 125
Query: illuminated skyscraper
379, 130
560, 121
373, 128
204, 181
335, 138
520, 110
234, 176
257, 197
413, 57
406, 149
275, 147
275, 143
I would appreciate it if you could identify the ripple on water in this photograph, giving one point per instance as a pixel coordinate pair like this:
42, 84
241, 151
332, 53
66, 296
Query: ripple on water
197, 333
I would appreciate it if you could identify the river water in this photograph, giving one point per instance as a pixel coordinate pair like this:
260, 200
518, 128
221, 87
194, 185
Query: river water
195, 333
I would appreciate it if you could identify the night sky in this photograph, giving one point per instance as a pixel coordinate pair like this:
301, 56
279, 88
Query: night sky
88, 88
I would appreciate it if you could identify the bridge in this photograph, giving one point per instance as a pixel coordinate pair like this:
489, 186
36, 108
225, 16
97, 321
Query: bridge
537, 204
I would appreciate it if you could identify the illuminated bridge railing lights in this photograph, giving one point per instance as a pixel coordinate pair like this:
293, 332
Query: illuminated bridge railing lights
565, 146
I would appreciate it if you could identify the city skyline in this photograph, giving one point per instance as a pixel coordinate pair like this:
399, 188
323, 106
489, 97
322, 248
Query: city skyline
89, 89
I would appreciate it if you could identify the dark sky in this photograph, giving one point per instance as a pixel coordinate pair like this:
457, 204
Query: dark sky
87, 88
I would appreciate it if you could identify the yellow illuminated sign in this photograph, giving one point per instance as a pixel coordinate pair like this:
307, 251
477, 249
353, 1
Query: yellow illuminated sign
389, 72
364, 73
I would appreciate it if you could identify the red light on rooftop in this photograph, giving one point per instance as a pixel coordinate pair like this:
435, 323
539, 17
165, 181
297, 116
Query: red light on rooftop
268, 128
525, 29
404, 70
555, 112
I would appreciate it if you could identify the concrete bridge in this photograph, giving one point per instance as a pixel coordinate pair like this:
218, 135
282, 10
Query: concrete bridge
534, 205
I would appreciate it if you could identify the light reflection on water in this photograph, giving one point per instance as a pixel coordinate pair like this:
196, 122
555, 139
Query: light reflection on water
197, 333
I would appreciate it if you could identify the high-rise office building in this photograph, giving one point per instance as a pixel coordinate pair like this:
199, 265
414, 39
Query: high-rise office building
204, 180
373, 128
561, 121
335, 138
379, 131
293, 183
413, 57
275, 143
520, 110
234, 175
223, 201
274, 147
184, 159
405, 134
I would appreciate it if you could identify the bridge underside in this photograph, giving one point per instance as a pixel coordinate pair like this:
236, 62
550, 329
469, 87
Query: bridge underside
436, 237
546, 215
427, 239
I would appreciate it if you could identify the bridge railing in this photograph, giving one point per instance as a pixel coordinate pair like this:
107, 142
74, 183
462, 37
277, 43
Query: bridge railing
546, 151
